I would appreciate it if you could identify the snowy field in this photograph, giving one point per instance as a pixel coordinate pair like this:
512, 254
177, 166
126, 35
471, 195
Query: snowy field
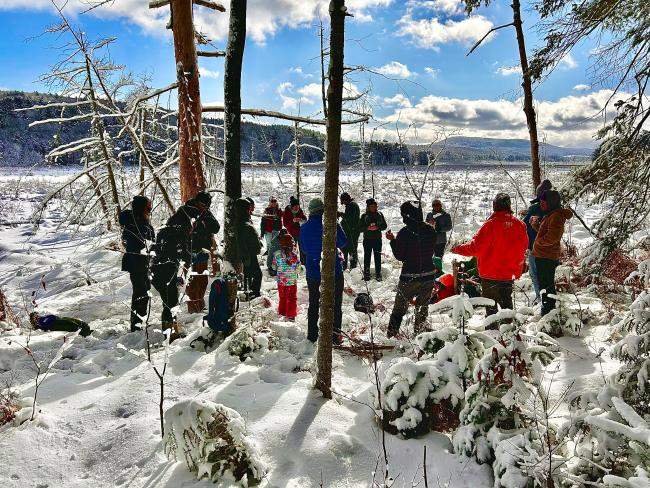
98, 410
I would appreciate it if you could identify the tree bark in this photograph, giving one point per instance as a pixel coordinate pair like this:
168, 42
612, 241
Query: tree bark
527, 85
232, 125
334, 107
192, 179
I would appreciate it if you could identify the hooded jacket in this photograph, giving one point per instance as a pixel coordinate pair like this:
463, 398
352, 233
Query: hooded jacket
248, 240
414, 246
499, 246
205, 226
136, 231
311, 243
549, 234
172, 246
350, 224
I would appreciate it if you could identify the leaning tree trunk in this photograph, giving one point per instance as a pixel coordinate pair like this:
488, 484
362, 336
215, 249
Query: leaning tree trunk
232, 125
334, 106
192, 179
527, 85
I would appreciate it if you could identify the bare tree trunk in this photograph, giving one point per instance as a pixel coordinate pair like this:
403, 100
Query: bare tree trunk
527, 85
143, 125
192, 179
296, 147
362, 140
334, 105
232, 124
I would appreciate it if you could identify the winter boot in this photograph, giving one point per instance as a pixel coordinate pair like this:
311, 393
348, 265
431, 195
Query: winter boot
366, 275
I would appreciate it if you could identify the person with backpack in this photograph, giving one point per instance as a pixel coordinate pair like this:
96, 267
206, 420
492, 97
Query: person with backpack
248, 246
54, 323
547, 246
203, 245
311, 242
414, 247
441, 222
292, 218
535, 210
372, 223
285, 263
270, 227
500, 249
350, 225
172, 247
137, 233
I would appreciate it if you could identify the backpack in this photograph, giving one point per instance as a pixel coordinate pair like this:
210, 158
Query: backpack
363, 303
219, 313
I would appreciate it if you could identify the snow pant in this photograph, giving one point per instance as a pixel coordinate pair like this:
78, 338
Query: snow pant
499, 291
351, 257
314, 303
287, 300
166, 284
253, 277
196, 287
272, 246
439, 249
407, 290
140, 297
532, 271
371, 248
546, 276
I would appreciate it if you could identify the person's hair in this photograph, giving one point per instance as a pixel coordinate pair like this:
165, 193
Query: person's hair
345, 197
502, 203
436, 202
139, 204
552, 199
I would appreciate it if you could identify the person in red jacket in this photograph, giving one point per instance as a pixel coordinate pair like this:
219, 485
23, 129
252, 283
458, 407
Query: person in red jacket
292, 218
500, 249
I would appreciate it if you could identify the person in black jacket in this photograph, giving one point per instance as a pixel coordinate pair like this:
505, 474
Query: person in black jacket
137, 232
248, 246
441, 222
172, 246
372, 223
203, 246
414, 246
350, 225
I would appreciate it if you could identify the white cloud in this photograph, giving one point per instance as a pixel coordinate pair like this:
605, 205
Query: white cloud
430, 33
208, 73
311, 91
433, 72
398, 100
508, 70
582, 87
284, 91
568, 62
449, 7
395, 69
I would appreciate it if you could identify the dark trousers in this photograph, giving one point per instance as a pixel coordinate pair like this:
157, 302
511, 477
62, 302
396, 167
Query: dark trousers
140, 297
499, 291
253, 277
314, 303
546, 276
166, 284
371, 248
439, 249
406, 291
351, 255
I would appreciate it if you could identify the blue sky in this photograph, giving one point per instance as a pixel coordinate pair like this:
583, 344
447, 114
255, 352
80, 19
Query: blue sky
420, 45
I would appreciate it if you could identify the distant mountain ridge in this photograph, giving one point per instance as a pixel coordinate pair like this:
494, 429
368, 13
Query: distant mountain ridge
21, 145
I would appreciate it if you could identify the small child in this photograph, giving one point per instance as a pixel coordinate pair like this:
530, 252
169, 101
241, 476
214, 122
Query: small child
285, 263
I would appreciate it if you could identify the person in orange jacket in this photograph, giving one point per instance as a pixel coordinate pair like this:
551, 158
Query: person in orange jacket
546, 249
500, 249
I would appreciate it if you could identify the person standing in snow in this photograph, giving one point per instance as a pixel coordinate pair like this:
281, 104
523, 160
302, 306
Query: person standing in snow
500, 249
137, 231
440, 220
249, 246
172, 247
292, 218
535, 210
547, 246
414, 247
270, 227
203, 245
285, 262
372, 223
311, 242
350, 225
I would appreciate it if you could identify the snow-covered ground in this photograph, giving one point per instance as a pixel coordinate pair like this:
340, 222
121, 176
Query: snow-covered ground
98, 422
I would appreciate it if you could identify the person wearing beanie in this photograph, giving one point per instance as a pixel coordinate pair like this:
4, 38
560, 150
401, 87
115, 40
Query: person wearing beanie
547, 247
441, 222
350, 225
311, 243
535, 210
285, 262
500, 249
292, 218
137, 235
414, 246
248, 246
372, 223
270, 226
203, 246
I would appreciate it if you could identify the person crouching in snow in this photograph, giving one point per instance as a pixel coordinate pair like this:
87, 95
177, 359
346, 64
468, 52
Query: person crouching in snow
285, 263
54, 323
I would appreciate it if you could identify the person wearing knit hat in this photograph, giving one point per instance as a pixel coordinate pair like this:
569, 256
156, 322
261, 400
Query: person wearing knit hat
311, 243
292, 218
372, 223
535, 210
350, 225
285, 263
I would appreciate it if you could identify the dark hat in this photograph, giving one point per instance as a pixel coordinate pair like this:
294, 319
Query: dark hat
552, 199
250, 201
502, 202
542, 187
203, 197
293, 201
371, 201
345, 197
139, 203
286, 240
411, 211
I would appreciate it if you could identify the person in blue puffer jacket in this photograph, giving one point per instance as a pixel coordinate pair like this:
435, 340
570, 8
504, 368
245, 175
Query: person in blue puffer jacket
311, 243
